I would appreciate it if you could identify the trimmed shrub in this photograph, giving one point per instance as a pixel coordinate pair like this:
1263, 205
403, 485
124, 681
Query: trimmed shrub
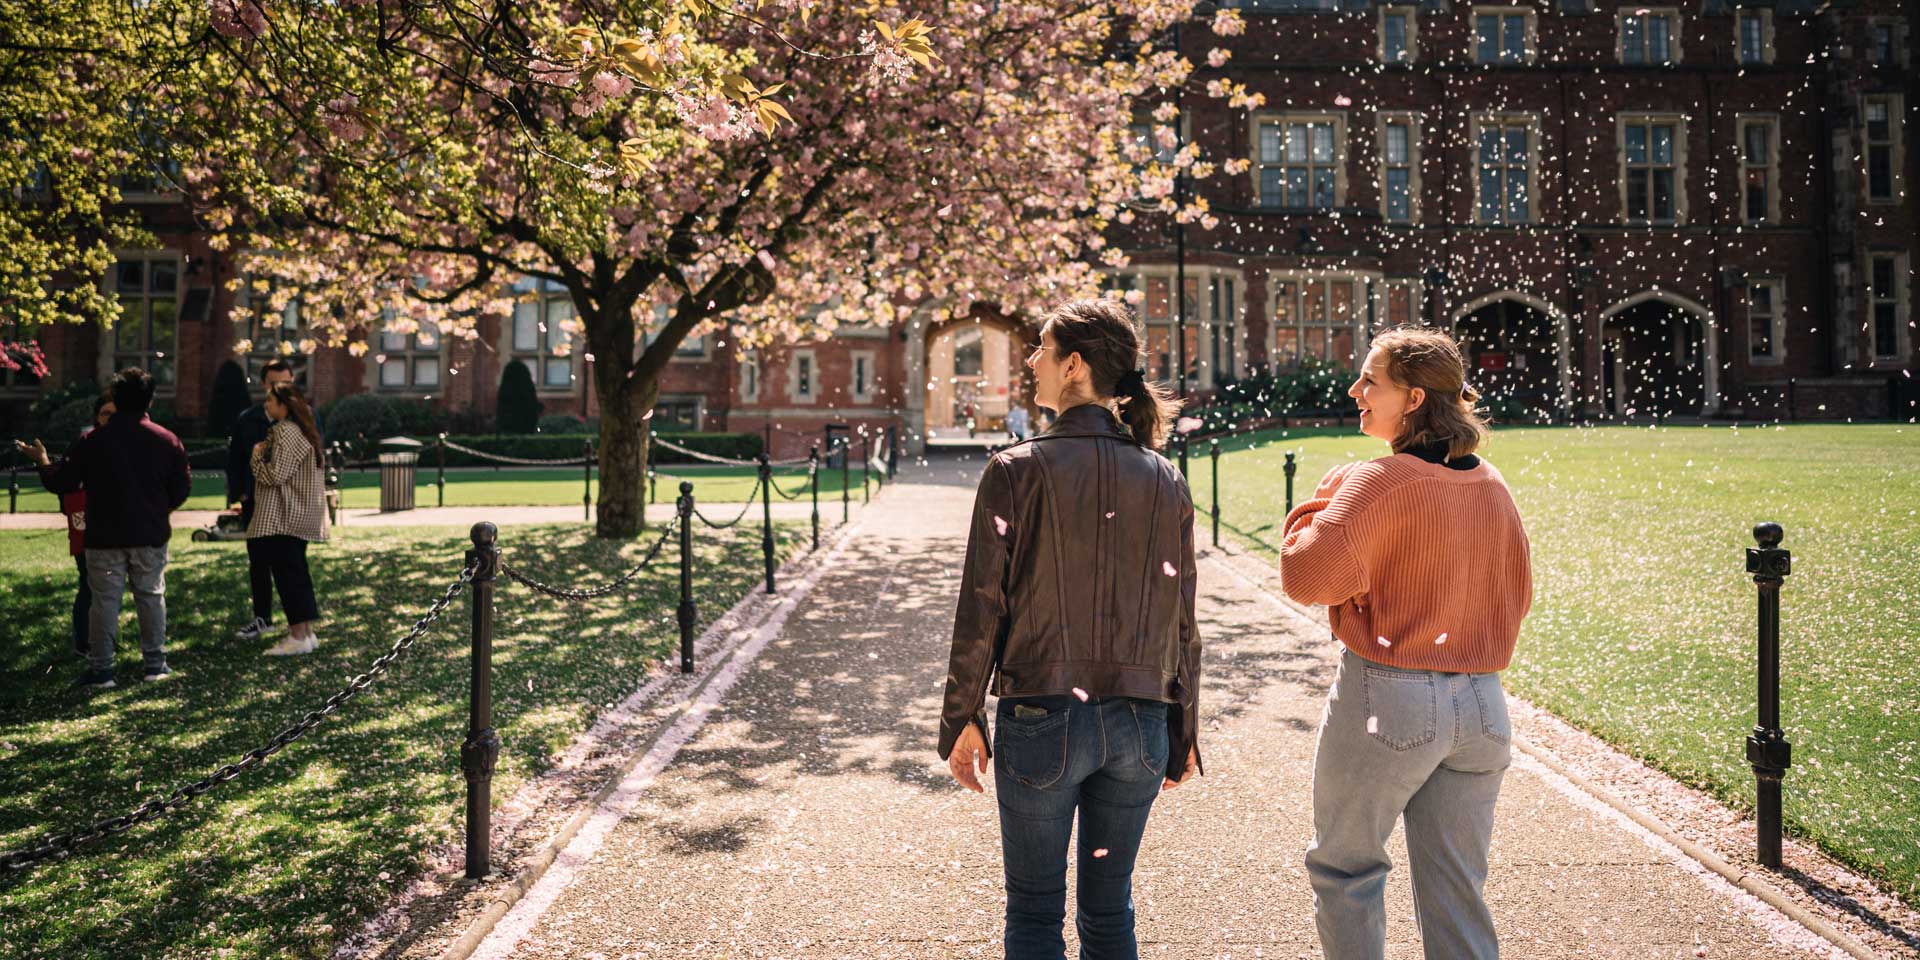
66, 423
375, 417
519, 407
563, 424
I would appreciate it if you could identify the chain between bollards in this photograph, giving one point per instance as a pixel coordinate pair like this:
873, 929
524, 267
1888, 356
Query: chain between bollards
481, 750
686, 611
1767, 748
1213, 452
1290, 468
813, 483
766, 514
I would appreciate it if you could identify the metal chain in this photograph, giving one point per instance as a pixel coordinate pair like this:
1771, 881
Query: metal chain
751, 496
599, 591
522, 461
796, 494
64, 843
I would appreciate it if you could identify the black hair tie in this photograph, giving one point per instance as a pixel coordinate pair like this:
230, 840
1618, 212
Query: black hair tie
1131, 382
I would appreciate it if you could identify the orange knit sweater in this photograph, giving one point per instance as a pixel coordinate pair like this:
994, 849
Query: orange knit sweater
1420, 565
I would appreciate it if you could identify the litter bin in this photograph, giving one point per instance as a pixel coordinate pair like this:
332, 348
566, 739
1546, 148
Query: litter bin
397, 469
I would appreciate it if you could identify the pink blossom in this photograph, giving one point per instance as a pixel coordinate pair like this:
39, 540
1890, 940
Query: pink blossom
1187, 424
1217, 57
1082, 694
237, 18
1227, 23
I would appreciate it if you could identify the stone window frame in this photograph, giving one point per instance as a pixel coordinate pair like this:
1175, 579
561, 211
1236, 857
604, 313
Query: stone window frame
699, 402
410, 353
1765, 15
853, 381
1134, 278
1412, 13
542, 293
1356, 282
1531, 42
812, 395
753, 375
1771, 121
1902, 301
1534, 132
1896, 113
1777, 333
1338, 118
1674, 33
1679, 121
1412, 119
108, 363
1902, 40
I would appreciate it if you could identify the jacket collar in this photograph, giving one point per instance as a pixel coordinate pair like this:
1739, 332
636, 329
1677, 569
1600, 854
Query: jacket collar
1087, 420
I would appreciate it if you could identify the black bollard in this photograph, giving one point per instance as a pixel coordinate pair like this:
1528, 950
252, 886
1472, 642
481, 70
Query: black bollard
813, 482
893, 452
586, 494
766, 514
866, 468
846, 476
13, 489
333, 483
481, 751
653, 478
1214, 452
440, 472
686, 612
1290, 468
1767, 749
1790, 407
1183, 456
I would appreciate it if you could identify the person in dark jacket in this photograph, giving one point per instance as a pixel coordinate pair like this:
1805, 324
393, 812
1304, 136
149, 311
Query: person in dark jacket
73, 506
1077, 603
135, 473
249, 432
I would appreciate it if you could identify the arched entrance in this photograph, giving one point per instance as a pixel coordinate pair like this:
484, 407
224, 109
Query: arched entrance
1658, 358
966, 374
1515, 350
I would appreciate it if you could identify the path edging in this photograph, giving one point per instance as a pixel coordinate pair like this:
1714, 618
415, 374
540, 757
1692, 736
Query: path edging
536, 867
1741, 879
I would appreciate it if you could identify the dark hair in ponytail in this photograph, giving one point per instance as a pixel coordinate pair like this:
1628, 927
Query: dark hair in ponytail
288, 396
1105, 335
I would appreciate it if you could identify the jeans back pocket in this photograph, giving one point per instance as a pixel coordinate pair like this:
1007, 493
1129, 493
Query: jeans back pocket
1402, 708
1494, 722
1150, 719
1032, 750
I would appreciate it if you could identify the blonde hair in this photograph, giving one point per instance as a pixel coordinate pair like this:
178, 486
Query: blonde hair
1430, 359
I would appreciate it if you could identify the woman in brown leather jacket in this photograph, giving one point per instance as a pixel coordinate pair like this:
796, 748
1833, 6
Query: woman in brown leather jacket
1076, 601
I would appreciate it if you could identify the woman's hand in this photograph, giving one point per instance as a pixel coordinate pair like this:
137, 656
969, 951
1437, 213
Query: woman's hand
35, 451
263, 446
1193, 763
969, 752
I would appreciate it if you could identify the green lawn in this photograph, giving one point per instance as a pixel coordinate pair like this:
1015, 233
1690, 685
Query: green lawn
1643, 622
482, 487
285, 860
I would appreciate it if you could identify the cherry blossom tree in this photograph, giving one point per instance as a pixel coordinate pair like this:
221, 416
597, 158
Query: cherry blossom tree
765, 172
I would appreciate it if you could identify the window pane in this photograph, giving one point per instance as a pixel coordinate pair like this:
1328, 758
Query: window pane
1490, 145
1490, 194
1313, 342
1631, 42
162, 370
1297, 143
1885, 342
1343, 346
1756, 143
1286, 346
164, 275
160, 328
392, 342
393, 373
1663, 143
1636, 143
1323, 187
1756, 195
559, 371
1663, 194
1297, 186
1486, 28
130, 331
1269, 143
1514, 42
1657, 40
1271, 187
1637, 194
1322, 143
559, 316
130, 276
1517, 196
426, 371
1394, 37
1762, 296
526, 327
1397, 142
1882, 285
1877, 128
1516, 144
1750, 47
1159, 298
428, 337
1398, 207
1880, 172
1313, 304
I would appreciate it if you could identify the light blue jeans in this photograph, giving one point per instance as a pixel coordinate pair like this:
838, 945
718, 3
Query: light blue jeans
1429, 746
109, 573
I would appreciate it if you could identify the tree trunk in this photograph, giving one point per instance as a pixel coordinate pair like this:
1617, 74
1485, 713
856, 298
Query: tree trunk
624, 435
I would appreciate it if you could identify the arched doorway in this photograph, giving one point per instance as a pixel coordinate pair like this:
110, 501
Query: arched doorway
1657, 358
1514, 347
967, 373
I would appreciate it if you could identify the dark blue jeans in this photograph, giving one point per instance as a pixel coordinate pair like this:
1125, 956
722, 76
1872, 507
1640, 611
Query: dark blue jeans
1104, 757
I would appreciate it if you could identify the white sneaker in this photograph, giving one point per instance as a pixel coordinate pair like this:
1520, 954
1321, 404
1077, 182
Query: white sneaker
291, 647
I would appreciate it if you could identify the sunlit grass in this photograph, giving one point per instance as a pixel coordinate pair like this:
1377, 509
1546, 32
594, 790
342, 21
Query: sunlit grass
1643, 622
284, 860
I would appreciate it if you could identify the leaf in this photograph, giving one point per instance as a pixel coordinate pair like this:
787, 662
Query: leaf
885, 30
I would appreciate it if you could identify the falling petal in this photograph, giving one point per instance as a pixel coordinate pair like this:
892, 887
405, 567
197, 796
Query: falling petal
1109, 514
1167, 567
1384, 641
1000, 525
1082, 694
1373, 724
1097, 854
1440, 640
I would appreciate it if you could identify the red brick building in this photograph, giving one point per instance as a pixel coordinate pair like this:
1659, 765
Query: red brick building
1622, 210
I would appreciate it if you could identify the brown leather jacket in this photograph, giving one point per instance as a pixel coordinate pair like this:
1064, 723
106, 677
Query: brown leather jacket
1079, 573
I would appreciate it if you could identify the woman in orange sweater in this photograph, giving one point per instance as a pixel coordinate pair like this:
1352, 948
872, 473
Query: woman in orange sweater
1423, 564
